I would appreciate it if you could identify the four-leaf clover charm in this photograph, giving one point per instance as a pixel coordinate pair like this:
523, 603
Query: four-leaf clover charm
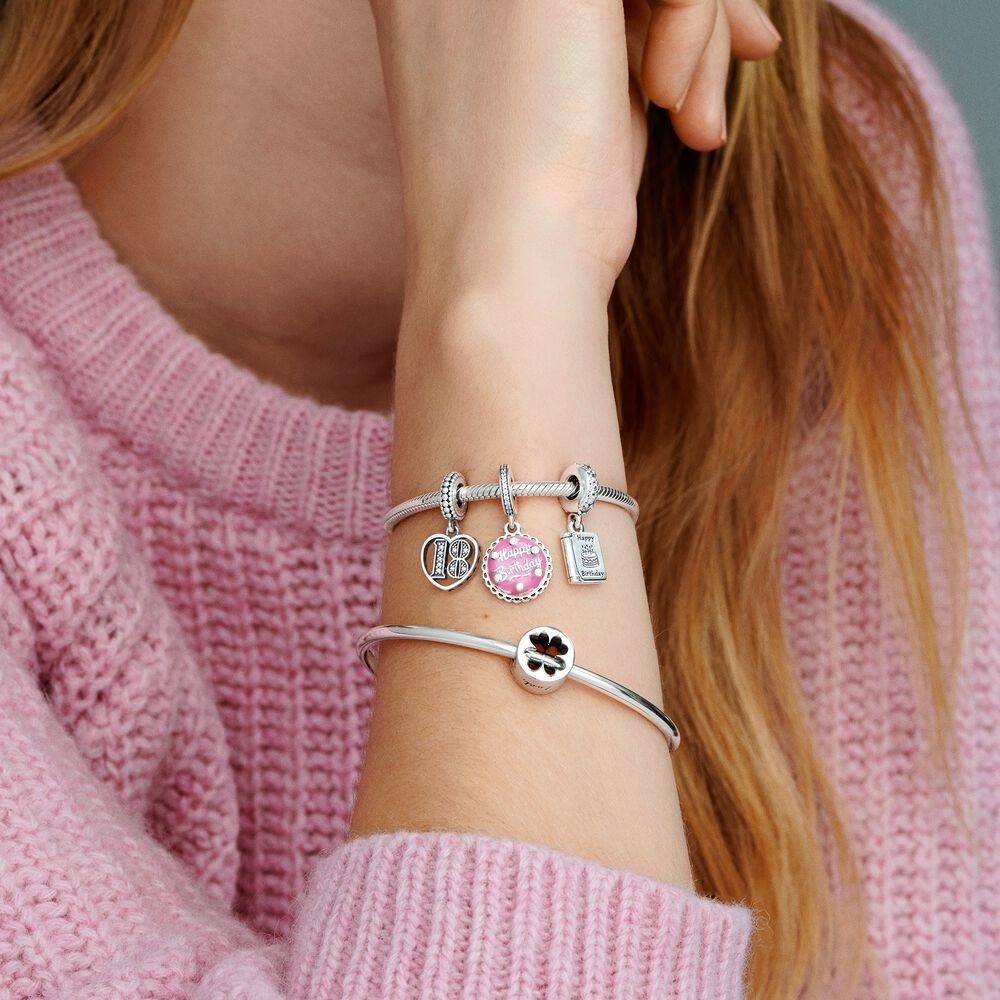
543, 659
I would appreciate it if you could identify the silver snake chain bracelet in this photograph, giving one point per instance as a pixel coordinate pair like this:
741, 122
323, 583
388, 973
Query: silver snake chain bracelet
541, 661
492, 491
517, 566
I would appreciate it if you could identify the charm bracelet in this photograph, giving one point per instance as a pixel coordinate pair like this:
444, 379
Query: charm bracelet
516, 566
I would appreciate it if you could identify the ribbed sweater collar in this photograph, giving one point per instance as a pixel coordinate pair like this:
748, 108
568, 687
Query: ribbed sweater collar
130, 368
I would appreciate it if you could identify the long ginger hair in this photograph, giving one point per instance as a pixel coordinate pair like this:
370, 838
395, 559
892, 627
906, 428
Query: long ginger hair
764, 276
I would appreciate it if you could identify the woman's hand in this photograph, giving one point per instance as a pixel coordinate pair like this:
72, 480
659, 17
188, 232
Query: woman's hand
681, 50
521, 123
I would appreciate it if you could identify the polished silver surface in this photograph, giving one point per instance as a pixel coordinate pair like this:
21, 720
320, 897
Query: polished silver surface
587, 483
582, 553
531, 667
452, 509
506, 497
583, 556
453, 556
453, 559
368, 642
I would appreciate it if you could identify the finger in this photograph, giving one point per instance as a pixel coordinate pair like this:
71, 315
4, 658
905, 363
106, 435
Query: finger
701, 122
637, 18
637, 15
754, 36
640, 142
679, 31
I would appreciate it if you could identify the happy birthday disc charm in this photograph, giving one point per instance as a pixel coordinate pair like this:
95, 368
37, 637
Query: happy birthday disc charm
517, 566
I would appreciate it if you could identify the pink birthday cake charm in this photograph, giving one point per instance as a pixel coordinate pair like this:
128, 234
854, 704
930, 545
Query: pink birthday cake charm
517, 566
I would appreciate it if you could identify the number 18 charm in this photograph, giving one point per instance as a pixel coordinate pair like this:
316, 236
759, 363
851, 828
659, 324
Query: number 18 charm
453, 556
453, 559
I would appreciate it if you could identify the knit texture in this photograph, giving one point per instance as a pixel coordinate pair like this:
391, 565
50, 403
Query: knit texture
188, 554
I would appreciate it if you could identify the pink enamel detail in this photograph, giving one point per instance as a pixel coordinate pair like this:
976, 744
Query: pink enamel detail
517, 566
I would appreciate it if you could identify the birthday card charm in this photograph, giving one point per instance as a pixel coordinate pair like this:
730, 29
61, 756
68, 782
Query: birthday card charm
582, 549
583, 556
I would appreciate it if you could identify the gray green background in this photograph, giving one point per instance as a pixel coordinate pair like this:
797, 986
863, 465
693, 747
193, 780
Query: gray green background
962, 37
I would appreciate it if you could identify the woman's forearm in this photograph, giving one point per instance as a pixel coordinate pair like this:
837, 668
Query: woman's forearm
514, 368
521, 138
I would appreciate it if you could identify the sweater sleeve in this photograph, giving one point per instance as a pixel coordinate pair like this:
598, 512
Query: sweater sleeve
92, 905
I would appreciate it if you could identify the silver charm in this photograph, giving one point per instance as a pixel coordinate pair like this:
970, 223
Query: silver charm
516, 566
543, 659
453, 556
583, 555
453, 559
582, 549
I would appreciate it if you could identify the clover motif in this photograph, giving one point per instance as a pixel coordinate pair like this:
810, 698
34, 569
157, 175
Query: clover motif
550, 645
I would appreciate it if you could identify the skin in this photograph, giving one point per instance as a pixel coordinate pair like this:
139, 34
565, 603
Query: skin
295, 268
321, 245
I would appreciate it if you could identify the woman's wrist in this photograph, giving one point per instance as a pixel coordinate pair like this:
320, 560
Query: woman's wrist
526, 353
535, 290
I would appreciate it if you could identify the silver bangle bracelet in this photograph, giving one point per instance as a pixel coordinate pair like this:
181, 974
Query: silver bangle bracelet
541, 661
491, 491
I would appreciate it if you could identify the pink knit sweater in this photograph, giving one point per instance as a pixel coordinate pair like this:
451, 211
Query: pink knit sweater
187, 556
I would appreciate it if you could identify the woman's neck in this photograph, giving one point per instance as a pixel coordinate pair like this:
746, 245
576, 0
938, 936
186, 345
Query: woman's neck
253, 187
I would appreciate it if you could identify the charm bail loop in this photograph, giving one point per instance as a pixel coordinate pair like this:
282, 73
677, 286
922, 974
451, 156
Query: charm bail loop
507, 497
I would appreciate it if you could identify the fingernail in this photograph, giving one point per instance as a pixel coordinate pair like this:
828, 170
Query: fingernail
768, 23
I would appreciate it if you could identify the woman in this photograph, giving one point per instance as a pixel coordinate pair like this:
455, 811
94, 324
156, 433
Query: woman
242, 247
